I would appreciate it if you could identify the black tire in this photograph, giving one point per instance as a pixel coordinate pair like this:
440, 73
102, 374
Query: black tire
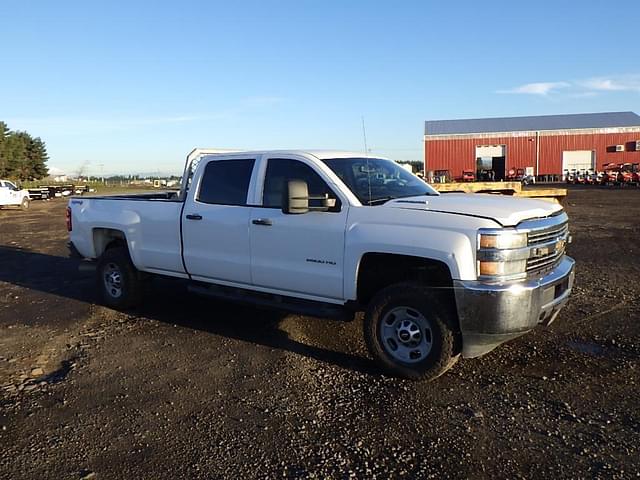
125, 293
25, 204
444, 349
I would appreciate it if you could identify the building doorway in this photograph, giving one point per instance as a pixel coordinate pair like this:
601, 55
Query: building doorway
576, 161
491, 162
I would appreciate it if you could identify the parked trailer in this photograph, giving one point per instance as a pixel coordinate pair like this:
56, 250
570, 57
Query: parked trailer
39, 193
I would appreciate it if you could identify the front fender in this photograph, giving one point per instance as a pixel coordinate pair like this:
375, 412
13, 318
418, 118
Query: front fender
453, 248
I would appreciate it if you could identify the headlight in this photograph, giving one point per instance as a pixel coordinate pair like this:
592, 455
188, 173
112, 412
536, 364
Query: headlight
502, 254
503, 240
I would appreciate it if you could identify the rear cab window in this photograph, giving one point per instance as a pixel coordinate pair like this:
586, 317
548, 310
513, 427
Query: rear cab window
226, 182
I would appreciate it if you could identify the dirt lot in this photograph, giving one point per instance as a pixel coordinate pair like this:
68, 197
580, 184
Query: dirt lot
193, 388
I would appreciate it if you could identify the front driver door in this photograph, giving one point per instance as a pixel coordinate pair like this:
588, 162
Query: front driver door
301, 253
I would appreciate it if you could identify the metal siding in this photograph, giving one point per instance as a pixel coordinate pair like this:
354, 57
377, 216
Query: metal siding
456, 155
551, 148
459, 155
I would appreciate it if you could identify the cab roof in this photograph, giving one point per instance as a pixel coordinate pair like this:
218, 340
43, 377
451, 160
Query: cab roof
319, 154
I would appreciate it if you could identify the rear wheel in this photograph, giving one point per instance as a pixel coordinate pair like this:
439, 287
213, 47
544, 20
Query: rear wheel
118, 280
25, 203
408, 333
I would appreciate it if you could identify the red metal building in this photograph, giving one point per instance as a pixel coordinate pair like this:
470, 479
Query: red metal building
543, 145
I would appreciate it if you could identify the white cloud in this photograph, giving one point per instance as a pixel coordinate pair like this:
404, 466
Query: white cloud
588, 87
537, 88
622, 83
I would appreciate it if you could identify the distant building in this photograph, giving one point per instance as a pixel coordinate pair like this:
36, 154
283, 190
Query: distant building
545, 145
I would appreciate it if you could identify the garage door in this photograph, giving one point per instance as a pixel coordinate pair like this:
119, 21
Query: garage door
578, 160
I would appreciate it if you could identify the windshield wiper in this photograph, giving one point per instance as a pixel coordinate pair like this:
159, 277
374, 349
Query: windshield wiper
379, 201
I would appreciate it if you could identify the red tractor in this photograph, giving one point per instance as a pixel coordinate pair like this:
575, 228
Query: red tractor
468, 176
628, 173
610, 174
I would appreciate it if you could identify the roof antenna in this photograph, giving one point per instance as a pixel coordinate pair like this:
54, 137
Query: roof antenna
364, 135
366, 156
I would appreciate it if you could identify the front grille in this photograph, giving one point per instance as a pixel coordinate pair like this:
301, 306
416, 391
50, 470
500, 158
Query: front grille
548, 244
549, 234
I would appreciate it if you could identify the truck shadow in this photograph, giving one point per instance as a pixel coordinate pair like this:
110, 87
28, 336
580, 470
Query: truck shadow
167, 301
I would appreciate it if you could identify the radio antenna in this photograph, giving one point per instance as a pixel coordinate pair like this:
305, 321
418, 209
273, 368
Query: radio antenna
364, 135
366, 156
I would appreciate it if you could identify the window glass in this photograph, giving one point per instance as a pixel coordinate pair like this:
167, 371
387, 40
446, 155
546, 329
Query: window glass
226, 182
375, 181
281, 170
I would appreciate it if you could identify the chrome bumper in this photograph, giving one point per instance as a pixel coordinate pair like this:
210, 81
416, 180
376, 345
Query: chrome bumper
493, 314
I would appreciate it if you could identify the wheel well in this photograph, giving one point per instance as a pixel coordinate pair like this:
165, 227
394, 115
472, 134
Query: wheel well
106, 238
379, 270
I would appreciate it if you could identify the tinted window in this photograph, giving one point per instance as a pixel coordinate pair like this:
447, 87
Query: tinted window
226, 182
280, 171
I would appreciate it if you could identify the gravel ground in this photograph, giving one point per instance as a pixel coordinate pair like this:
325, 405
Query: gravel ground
186, 387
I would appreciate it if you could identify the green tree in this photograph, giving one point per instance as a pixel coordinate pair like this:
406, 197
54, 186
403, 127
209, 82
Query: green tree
39, 157
22, 157
4, 133
16, 150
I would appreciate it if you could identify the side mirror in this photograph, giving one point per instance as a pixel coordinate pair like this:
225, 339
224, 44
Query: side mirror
296, 197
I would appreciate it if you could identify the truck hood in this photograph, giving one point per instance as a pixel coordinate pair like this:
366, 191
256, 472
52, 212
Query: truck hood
506, 210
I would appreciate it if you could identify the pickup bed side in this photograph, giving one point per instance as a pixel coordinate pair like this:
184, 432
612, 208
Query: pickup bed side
150, 227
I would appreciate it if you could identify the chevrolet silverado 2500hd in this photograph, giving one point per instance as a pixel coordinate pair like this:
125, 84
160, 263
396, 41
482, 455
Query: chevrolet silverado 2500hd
334, 233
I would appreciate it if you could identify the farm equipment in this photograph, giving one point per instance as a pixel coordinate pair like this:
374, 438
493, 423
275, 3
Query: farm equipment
519, 175
468, 176
570, 176
628, 173
610, 174
441, 176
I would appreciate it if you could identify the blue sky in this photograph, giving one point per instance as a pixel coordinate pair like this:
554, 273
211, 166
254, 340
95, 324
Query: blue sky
133, 86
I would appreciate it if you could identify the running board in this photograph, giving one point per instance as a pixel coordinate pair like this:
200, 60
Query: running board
271, 301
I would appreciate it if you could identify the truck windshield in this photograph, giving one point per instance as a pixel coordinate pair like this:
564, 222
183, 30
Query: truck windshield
375, 181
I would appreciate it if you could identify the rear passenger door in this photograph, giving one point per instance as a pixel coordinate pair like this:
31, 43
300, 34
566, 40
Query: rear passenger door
215, 222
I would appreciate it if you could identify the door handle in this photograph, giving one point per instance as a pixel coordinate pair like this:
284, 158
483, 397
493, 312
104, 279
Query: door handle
262, 221
194, 216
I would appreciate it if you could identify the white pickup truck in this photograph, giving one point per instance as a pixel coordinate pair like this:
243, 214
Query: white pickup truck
10, 195
332, 233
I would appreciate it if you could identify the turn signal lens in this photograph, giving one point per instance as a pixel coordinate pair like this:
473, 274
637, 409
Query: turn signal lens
503, 268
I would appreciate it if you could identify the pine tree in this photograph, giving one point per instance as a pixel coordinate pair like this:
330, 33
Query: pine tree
4, 133
22, 157
39, 159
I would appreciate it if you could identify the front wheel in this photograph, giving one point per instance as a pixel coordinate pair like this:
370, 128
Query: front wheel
118, 280
25, 204
408, 333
